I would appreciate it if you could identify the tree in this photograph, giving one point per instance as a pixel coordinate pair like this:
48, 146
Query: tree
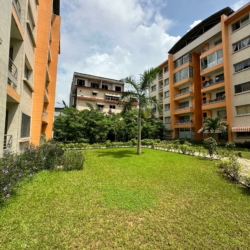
212, 125
138, 92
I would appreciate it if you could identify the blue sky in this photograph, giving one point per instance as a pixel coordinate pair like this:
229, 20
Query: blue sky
118, 38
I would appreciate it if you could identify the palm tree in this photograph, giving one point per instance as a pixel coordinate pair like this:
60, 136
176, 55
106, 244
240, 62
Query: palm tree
137, 91
212, 125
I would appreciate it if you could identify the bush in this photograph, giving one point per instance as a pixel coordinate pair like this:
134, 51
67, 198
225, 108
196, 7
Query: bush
230, 145
183, 148
211, 145
72, 160
231, 167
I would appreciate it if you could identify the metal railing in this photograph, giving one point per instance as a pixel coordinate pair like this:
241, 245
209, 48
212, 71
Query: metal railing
184, 122
7, 142
45, 113
18, 8
184, 107
218, 99
13, 69
183, 93
12, 84
212, 82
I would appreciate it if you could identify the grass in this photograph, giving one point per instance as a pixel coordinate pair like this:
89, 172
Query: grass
158, 200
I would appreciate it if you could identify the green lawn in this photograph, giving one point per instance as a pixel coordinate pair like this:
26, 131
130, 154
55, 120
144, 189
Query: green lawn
158, 200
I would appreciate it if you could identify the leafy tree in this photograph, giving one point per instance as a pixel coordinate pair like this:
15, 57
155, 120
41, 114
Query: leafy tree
138, 92
212, 125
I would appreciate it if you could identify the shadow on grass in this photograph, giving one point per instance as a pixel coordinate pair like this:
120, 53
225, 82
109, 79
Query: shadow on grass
118, 154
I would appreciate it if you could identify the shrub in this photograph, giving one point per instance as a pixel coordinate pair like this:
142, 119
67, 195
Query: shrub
183, 148
231, 167
72, 160
230, 145
211, 145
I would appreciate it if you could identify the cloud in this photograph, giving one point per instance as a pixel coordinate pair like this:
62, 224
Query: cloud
239, 4
194, 24
112, 39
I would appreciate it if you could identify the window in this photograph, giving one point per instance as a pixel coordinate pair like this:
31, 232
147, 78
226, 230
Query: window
218, 42
166, 82
222, 114
184, 59
167, 106
112, 106
167, 119
184, 104
244, 109
184, 73
212, 59
242, 87
112, 98
100, 106
118, 88
27, 72
94, 93
153, 88
94, 85
241, 44
166, 69
80, 82
25, 126
219, 78
243, 134
240, 23
242, 65
105, 87
166, 94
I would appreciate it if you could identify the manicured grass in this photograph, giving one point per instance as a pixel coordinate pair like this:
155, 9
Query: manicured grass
158, 200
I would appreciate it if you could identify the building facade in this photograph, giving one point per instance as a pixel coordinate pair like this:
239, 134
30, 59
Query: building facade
23, 43
207, 74
102, 93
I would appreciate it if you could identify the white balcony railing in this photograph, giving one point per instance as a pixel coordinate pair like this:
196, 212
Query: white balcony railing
17, 7
13, 69
7, 142
184, 107
184, 93
45, 113
184, 122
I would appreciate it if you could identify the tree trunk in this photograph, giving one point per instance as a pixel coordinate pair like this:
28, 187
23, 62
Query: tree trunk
139, 135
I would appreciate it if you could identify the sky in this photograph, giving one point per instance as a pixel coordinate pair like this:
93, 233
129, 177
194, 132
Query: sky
120, 38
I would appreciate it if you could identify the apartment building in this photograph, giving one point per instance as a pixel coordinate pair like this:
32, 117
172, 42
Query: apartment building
207, 74
102, 93
29, 47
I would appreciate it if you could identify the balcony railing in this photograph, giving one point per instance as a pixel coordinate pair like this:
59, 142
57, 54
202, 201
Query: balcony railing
184, 107
216, 100
7, 142
160, 88
184, 122
212, 82
161, 100
12, 84
45, 113
13, 69
160, 76
183, 93
17, 7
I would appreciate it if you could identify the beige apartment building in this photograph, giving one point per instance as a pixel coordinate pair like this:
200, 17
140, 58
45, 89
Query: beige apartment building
207, 74
102, 93
21, 24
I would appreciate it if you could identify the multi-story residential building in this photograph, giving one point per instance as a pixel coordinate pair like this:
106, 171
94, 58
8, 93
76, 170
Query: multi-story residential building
29, 46
102, 93
207, 75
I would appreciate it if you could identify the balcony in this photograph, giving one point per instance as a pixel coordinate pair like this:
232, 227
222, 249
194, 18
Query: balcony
214, 103
184, 122
160, 76
13, 72
45, 113
7, 142
184, 109
160, 89
184, 94
160, 100
212, 84
17, 7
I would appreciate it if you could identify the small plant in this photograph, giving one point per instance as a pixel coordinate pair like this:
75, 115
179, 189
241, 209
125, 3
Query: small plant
231, 167
183, 148
72, 160
230, 145
211, 145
